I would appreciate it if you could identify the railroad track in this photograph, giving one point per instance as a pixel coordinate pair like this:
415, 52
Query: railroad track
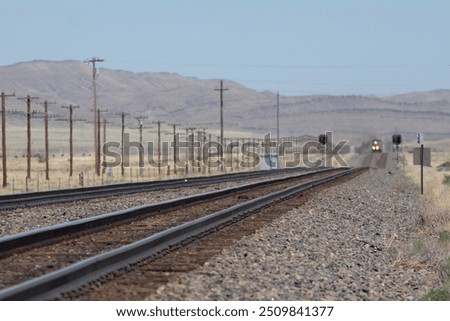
375, 160
20, 200
69, 261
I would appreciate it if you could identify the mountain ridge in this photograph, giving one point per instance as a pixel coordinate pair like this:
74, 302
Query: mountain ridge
189, 100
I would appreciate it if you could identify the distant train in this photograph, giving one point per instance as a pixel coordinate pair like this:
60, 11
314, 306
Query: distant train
376, 146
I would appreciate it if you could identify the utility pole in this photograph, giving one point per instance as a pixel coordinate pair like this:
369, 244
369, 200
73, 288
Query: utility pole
141, 147
97, 149
94, 60
45, 104
159, 145
123, 132
174, 147
209, 161
5, 177
190, 148
70, 120
278, 130
104, 142
122, 114
200, 160
98, 127
221, 89
28, 99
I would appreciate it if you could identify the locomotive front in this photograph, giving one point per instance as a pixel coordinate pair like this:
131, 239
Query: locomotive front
376, 145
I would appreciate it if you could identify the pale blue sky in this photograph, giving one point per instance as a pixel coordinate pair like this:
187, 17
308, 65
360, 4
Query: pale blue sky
301, 47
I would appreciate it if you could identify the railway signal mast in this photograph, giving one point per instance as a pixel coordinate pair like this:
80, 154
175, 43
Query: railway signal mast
420, 142
322, 141
397, 140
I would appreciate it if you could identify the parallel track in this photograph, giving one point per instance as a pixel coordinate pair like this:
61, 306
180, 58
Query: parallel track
19, 200
46, 234
72, 276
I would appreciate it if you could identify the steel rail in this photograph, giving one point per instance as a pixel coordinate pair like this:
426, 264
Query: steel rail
28, 238
12, 201
71, 277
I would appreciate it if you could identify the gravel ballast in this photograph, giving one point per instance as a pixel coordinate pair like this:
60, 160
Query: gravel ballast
344, 244
24, 219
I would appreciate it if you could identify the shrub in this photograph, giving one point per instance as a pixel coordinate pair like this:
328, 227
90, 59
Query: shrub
446, 180
417, 245
444, 236
441, 294
443, 167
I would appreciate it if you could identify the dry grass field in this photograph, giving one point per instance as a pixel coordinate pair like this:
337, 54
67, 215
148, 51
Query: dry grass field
84, 159
59, 155
434, 249
434, 189
83, 162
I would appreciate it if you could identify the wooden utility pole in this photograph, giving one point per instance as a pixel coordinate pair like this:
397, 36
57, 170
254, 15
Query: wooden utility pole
190, 148
28, 99
201, 135
104, 142
94, 60
221, 89
123, 132
5, 172
97, 145
71, 120
122, 114
278, 130
159, 144
45, 104
105, 121
98, 140
209, 161
141, 147
174, 147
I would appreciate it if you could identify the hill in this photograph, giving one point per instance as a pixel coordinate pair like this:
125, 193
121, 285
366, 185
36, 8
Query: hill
188, 100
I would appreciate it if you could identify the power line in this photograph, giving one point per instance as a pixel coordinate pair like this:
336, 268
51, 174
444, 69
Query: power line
274, 66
